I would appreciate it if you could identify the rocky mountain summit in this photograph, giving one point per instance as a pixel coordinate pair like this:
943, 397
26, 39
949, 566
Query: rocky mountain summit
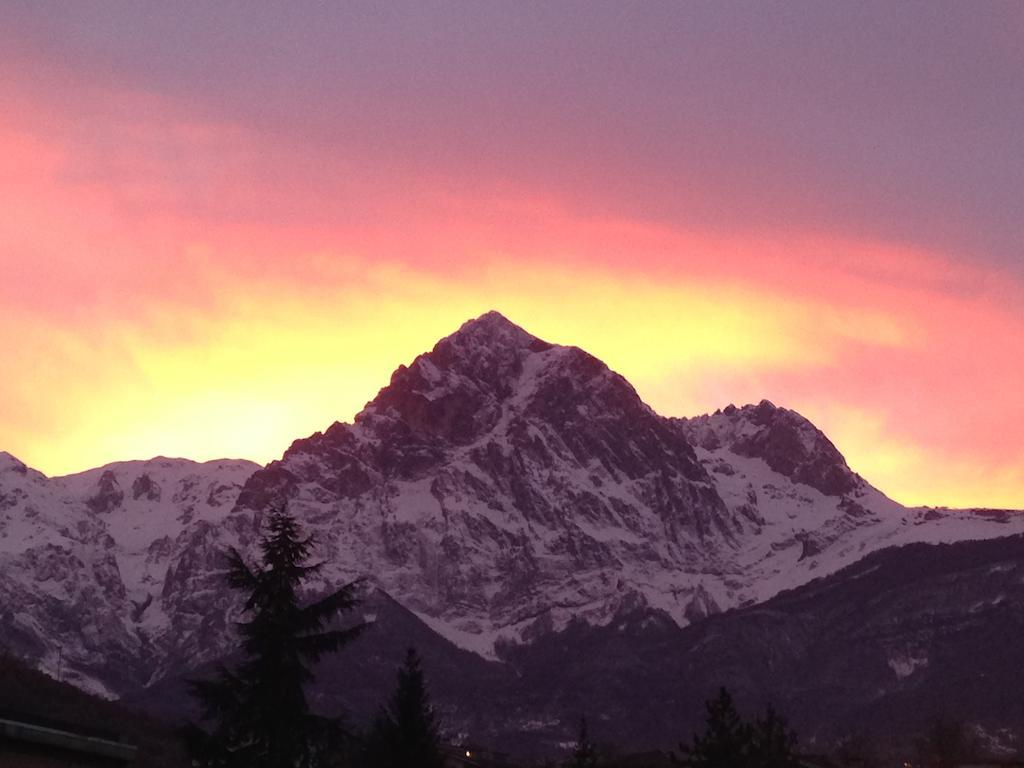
787, 442
501, 485
500, 488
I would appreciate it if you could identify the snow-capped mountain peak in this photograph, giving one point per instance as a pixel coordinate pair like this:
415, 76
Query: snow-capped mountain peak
487, 371
499, 486
9, 463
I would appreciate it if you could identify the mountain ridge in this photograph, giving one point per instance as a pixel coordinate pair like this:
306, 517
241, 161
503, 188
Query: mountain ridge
499, 487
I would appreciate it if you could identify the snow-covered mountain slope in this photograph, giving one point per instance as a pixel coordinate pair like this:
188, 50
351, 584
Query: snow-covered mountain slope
499, 487
815, 514
88, 562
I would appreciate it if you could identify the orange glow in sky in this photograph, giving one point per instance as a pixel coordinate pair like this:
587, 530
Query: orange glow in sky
182, 282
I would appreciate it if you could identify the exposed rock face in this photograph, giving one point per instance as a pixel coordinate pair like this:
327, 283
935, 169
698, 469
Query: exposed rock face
108, 494
112, 583
502, 481
784, 439
500, 487
145, 486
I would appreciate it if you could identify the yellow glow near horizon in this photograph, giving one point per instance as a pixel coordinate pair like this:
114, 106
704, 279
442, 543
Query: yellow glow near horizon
265, 366
915, 475
266, 369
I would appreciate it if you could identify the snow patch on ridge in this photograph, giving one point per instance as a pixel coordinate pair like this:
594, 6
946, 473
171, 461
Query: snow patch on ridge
906, 663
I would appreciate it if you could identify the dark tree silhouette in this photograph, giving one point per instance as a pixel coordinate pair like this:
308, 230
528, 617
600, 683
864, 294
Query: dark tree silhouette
259, 714
773, 744
729, 742
404, 733
726, 741
584, 755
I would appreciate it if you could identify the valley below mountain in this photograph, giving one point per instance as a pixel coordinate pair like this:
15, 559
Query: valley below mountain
906, 634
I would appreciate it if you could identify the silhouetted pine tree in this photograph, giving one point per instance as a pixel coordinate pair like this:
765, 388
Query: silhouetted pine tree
772, 743
259, 714
404, 733
729, 742
726, 741
584, 755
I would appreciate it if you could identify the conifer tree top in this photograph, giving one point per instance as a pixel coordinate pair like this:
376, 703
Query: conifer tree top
405, 732
259, 712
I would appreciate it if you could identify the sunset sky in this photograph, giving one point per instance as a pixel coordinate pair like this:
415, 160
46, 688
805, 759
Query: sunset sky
223, 225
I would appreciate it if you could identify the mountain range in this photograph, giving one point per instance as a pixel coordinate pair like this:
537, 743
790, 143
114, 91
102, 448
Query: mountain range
516, 507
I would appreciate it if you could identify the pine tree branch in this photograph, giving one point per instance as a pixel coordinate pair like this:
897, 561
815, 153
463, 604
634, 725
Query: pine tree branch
312, 647
219, 695
239, 575
313, 616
